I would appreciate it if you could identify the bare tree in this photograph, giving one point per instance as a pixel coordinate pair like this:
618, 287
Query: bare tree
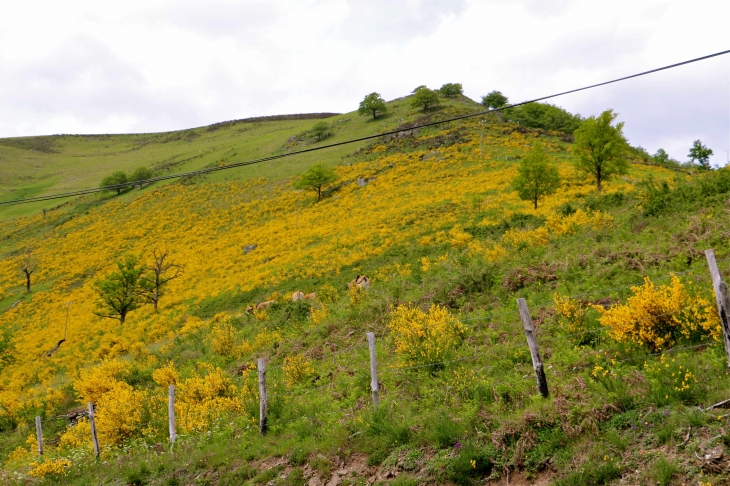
161, 271
28, 265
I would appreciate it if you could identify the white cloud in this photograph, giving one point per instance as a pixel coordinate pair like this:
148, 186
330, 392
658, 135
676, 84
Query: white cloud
159, 65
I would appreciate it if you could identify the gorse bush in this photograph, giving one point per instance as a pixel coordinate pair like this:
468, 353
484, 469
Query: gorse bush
659, 317
424, 338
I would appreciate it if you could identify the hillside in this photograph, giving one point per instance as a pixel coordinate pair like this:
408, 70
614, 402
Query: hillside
431, 219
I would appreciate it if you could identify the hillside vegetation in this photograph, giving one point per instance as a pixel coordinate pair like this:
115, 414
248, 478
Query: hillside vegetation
616, 283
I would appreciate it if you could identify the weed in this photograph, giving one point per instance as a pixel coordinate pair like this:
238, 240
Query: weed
662, 471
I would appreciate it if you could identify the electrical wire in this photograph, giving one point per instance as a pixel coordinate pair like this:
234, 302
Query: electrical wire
346, 142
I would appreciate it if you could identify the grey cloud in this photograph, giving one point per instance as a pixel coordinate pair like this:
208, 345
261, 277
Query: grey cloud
388, 20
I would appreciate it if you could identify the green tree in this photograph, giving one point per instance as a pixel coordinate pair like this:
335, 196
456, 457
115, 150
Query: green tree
321, 130
372, 105
424, 97
536, 177
601, 146
115, 179
121, 291
140, 174
316, 178
451, 90
661, 156
494, 99
700, 155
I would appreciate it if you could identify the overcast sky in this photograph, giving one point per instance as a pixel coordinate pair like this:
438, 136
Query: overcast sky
143, 66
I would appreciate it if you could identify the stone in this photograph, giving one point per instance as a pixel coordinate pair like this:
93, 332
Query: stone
249, 248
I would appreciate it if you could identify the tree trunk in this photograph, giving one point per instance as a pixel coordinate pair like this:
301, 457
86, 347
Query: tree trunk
535, 201
119, 191
319, 193
375, 116
27, 281
598, 179
122, 316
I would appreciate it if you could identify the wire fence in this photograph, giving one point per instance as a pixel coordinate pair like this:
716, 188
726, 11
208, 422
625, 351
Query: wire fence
407, 383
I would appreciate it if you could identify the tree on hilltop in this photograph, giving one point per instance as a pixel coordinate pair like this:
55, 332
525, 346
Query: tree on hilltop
601, 146
536, 177
700, 155
424, 97
120, 292
451, 90
316, 178
28, 265
115, 179
494, 99
160, 272
372, 105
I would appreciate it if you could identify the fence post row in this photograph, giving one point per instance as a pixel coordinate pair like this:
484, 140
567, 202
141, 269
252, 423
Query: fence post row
39, 434
93, 429
171, 415
263, 397
532, 343
721, 299
373, 370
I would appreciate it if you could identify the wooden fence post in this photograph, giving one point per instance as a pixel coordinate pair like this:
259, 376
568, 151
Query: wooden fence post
263, 397
534, 350
171, 415
721, 299
39, 434
373, 370
93, 429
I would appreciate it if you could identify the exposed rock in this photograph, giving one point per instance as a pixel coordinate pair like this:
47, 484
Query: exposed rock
362, 182
249, 248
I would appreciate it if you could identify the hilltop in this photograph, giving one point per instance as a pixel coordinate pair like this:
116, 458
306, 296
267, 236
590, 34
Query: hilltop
616, 284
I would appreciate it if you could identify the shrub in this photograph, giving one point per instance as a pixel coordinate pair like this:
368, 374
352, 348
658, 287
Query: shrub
296, 370
425, 338
141, 174
114, 179
657, 317
545, 116
321, 130
451, 90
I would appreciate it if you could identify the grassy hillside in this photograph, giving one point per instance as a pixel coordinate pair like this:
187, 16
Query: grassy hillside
431, 219
36, 166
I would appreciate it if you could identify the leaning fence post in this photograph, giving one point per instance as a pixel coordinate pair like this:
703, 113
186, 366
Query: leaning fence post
721, 299
263, 397
171, 414
93, 429
39, 434
534, 350
373, 370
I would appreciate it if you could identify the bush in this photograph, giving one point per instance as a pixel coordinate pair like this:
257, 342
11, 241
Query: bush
658, 317
451, 90
545, 116
141, 174
425, 338
114, 179
321, 130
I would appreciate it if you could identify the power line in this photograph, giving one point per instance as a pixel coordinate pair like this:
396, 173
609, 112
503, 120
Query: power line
346, 142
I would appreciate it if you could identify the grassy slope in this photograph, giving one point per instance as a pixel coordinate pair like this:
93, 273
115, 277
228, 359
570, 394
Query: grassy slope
36, 166
589, 427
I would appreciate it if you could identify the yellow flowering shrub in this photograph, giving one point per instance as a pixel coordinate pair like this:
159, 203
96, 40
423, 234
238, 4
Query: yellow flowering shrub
458, 237
166, 375
118, 413
570, 224
202, 399
392, 270
296, 370
571, 315
357, 295
328, 294
425, 337
520, 239
77, 436
223, 339
49, 467
319, 315
656, 317
94, 382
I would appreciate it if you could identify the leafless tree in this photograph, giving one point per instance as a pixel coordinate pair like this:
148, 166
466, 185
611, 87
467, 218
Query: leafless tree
161, 271
28, 265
